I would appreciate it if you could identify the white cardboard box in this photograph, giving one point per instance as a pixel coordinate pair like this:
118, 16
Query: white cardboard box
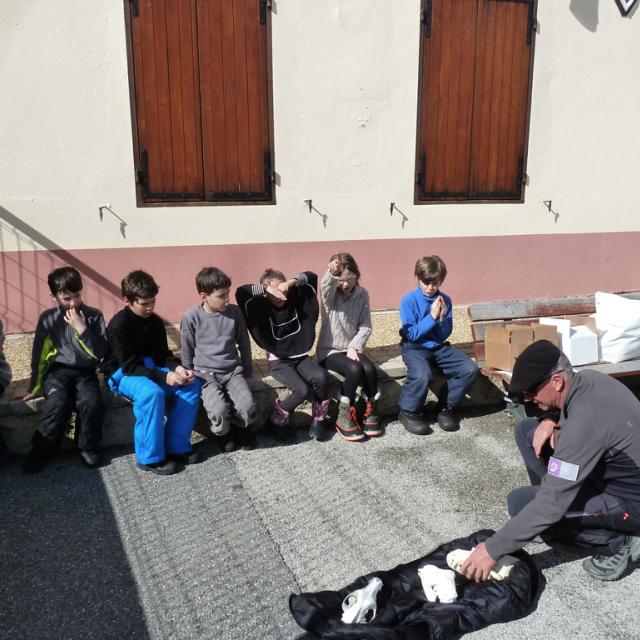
578, 342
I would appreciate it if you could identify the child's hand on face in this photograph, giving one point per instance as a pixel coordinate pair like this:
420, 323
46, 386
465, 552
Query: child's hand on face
283, 287
276, 292
334, 267
75, 318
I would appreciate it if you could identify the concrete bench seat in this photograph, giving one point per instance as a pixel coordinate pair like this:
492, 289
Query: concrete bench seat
18, 419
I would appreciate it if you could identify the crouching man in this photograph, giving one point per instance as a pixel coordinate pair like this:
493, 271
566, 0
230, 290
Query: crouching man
583, 462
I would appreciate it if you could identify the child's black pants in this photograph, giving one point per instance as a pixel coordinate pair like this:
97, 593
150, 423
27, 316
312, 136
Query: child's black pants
66, 389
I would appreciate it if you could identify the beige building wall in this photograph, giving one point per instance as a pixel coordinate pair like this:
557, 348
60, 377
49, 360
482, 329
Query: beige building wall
345, 79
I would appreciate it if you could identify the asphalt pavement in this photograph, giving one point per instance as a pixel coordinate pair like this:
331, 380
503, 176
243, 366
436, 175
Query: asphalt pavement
214, 551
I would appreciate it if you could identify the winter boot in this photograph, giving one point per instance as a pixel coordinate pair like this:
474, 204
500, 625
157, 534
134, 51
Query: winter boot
370, 419
318, 413
279, 417
347, 422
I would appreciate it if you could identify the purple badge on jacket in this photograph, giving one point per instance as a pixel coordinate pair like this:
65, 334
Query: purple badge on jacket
562, 469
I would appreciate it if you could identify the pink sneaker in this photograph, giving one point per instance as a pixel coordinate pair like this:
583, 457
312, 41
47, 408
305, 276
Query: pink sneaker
279, 417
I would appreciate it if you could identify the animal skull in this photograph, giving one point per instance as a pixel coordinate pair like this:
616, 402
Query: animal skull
360, 605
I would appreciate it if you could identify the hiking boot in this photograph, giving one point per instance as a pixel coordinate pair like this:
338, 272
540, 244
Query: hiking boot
371, 421
228, 442
347, 422
447, 421
279, 417
35, 462
414, 423
191, 457
246, 438
91, 458
162, 468
612, 567
319, 410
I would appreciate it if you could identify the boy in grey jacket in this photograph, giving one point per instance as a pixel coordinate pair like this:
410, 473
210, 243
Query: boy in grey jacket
212, 333
69, 344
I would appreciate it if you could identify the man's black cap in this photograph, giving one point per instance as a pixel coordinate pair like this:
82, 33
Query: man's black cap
533, 366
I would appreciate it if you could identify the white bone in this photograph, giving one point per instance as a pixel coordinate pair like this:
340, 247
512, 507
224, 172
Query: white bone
360, 605
438, 584
500, 571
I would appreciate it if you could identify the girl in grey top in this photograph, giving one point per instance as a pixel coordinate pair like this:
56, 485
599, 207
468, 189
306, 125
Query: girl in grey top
346, 327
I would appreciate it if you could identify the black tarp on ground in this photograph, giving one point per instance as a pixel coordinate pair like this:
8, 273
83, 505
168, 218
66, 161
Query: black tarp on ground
403, 612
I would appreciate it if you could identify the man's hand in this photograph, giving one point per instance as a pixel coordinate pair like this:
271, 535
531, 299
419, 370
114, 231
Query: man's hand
478, 565
352, 354
545, 431
75, 318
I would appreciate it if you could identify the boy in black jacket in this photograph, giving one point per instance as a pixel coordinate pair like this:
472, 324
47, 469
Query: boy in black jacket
142, 368
69, 343
281, 316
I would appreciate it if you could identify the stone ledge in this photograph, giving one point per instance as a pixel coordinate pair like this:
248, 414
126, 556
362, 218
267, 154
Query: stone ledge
18, 419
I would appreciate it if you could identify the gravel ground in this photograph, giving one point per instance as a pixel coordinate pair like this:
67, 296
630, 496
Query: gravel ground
214, 551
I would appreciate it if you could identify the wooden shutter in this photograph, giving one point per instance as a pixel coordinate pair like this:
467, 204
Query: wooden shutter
235, 89
202, 100
447, 77
167, 100
473, 99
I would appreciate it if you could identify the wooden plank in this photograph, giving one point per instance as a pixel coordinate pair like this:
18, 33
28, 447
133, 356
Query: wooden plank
512, 309
614, 369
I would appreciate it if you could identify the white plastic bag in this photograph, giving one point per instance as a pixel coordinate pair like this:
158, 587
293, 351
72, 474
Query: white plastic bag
618, 321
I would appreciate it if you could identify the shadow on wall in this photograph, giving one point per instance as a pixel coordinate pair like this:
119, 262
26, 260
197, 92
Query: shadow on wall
23, 277
586, 11
65, 572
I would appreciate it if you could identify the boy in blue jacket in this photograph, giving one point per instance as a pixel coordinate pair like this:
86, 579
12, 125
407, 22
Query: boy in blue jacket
427, 321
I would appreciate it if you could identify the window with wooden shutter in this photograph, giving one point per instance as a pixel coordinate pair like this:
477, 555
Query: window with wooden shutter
476, 58
200, 92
